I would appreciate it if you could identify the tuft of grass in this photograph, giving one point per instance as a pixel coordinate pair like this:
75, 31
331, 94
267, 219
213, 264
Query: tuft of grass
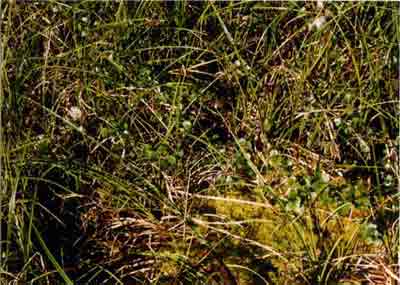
199, 142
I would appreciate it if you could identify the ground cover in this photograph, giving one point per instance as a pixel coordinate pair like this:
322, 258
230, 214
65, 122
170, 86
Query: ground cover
199, 142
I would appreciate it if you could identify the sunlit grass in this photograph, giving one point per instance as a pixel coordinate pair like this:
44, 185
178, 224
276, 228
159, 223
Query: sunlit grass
199, 142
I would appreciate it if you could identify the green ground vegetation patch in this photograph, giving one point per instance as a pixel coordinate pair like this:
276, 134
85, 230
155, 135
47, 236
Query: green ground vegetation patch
199, 142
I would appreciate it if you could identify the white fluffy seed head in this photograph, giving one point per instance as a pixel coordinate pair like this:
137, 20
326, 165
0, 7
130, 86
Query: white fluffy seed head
317, 23
75, 113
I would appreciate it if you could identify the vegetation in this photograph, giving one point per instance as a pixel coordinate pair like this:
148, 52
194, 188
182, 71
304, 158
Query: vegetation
177, 142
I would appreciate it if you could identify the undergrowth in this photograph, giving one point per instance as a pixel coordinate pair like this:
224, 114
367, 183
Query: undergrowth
199, 142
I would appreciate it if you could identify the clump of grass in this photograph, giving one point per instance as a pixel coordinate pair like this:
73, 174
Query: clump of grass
199, 142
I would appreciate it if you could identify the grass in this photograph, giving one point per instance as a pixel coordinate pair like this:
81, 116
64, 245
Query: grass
199, 142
